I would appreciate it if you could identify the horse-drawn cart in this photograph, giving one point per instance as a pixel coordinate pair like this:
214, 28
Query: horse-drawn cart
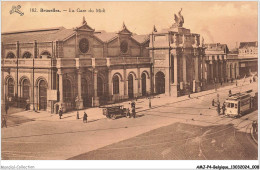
115, 111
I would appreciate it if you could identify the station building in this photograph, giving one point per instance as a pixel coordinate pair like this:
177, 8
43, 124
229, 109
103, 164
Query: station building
74, 68
46, 69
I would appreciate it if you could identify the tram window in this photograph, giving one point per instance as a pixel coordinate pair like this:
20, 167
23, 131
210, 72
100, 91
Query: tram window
231, 105
228, 104
236, 106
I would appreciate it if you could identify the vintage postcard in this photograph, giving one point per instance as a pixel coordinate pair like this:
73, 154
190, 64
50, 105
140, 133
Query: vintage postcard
129, 80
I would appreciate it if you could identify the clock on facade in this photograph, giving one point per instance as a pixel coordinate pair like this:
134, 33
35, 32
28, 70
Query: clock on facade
83, 45
124, 46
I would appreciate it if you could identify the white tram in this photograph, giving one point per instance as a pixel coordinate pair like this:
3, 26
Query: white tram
240, 103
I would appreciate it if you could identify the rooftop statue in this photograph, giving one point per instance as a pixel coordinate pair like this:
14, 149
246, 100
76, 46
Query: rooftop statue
179, 20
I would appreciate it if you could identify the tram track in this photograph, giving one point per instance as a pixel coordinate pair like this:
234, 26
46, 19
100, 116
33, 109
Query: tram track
234, 132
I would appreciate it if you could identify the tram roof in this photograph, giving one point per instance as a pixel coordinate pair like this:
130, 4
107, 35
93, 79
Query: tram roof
237, 96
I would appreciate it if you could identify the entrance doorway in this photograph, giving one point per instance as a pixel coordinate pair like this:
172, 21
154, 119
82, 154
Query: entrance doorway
160, 82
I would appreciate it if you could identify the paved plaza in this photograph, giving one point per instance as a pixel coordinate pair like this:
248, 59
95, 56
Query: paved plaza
179, 128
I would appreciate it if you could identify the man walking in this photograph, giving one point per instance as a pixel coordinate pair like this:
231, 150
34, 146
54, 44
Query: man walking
133, 108
60, 112
4, 122
254, 125
213, 102
223, 109
85, 118
6, 108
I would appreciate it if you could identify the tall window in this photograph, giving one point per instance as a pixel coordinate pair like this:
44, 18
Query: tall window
115, 84
100, 86
27, 55
10, 85
26, 87
10, 55
66, 90
45, 54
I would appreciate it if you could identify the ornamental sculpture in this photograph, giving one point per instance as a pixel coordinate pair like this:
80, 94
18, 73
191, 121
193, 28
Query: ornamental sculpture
179, 20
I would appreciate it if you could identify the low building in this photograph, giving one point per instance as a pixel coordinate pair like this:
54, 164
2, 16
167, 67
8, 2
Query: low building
248, 56
216, 57
232, 64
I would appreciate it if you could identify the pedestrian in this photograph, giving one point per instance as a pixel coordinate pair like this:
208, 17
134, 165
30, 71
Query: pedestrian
77, 114
128, 113
133, 109
215, 85
60, 112
230, 93
218, 109
6, 108
85, 118
236, 82
4, 122
223, 109
213, 102
250, 80
221, 83
150, 102
254, 125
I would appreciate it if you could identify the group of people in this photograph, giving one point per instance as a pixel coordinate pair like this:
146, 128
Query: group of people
85, 116
219, 108
223, 108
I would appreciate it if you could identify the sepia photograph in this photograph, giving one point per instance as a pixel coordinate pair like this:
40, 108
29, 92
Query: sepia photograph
130, 80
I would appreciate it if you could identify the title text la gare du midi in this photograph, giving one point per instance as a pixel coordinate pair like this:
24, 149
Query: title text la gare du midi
67, 10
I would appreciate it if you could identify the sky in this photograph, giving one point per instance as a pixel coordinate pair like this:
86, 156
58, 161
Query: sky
217, 22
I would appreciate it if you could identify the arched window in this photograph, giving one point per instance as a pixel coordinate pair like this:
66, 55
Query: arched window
45, 54
115, 84
67, 90
10, 85
10, 55
27, 55
26, 87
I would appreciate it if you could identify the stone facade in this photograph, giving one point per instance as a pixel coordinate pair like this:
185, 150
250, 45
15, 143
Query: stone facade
178, 57
216, 63
74, 68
